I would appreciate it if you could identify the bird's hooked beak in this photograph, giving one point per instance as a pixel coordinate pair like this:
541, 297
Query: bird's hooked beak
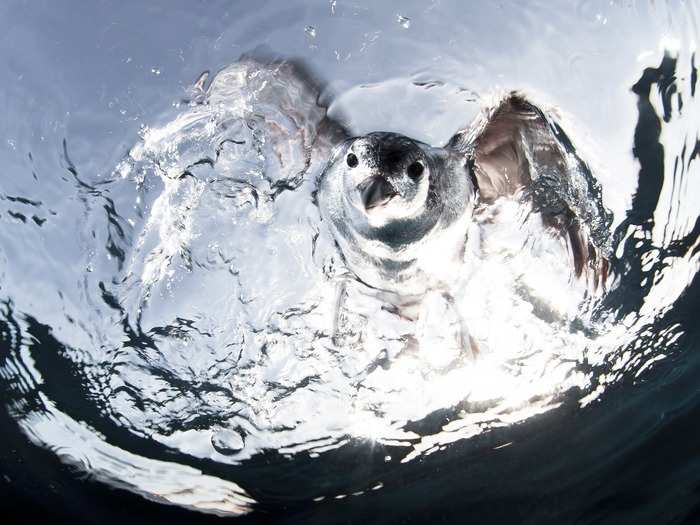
376, 191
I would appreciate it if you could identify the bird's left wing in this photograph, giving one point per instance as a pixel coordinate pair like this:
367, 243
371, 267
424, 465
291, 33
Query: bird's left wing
515, 146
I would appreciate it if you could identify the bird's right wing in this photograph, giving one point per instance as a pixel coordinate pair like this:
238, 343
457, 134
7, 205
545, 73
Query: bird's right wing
281, 101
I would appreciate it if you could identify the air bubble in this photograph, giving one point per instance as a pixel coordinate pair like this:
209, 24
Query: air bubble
310, 31
227, 442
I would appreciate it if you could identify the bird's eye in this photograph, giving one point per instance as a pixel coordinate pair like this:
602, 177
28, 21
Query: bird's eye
415, 170
351, 159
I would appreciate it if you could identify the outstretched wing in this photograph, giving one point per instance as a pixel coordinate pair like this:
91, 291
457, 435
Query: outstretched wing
516, 147
281, 100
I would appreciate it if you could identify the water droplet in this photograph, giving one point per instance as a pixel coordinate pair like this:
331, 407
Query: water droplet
227, 441
155, 71
387, 459
333, 4
310, 31
403, 21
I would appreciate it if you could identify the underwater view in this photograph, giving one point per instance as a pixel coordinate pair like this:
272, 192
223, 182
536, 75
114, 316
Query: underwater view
350, 262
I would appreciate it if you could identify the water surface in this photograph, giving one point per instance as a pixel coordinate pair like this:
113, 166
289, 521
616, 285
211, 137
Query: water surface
169, 293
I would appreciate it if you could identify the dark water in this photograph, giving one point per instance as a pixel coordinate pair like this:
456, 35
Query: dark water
165, 350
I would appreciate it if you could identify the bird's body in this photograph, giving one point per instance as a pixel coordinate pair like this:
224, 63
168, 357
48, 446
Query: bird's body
400, 210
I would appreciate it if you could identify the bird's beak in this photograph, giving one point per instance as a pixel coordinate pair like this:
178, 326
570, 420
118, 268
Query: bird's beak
375, 191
